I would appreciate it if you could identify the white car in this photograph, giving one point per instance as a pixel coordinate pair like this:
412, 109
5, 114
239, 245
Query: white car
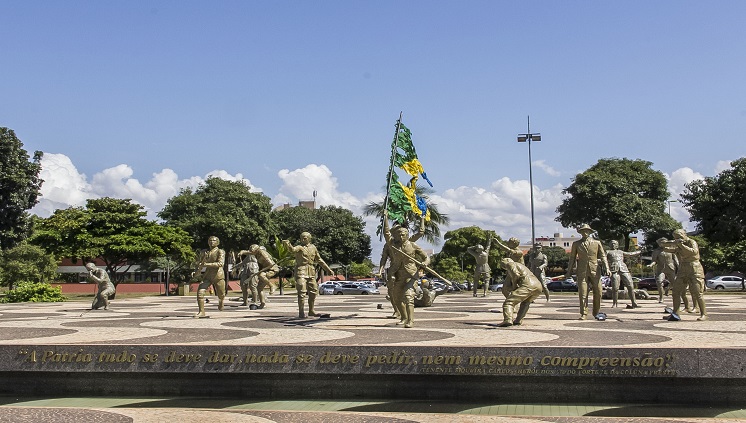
351, 288
725, 282
327, 288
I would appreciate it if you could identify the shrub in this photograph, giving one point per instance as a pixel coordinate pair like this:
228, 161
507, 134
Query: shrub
26, 263
35, 292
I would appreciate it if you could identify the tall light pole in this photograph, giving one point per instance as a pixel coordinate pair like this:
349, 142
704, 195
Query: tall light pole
528, 136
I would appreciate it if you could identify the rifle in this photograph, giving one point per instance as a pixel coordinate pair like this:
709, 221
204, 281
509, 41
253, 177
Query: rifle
422, 265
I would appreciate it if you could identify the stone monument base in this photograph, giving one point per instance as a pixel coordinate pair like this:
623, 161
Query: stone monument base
508, 374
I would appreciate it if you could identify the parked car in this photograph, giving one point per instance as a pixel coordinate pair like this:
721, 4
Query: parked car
725, 282
351, 288
649, 284
568, 285
497, 287
563, 278
327, 288
439, 286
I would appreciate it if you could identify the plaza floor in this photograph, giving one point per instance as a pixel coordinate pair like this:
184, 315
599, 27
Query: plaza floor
456, 319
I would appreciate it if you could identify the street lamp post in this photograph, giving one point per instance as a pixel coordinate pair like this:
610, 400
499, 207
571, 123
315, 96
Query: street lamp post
528, 136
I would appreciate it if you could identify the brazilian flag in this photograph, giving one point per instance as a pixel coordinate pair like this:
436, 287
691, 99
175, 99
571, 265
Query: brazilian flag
402, 197
406, 157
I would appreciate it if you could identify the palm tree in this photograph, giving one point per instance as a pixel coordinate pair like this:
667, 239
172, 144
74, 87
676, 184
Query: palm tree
283, 258
432, 228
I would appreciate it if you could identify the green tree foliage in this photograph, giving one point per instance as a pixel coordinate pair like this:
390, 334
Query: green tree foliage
734, 255
115, 230
178, 270
337, 233
617, 197
717, 204
557, 257
432, 227
26, 263
35, 292
280, 253
19, 188
361, 270
284, 258
226, 209
721, 257
450, 268
454, 248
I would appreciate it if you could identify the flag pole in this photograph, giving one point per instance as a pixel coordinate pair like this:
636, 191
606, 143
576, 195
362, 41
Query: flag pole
391, 170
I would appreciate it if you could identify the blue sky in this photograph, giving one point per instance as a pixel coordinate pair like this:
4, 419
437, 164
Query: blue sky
137, 99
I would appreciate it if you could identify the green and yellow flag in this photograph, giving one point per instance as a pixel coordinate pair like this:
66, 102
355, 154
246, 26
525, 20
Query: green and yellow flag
401, 199
406, 156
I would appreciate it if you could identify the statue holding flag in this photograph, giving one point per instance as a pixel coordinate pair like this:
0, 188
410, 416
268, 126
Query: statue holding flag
405, 259
402, 204
386, 253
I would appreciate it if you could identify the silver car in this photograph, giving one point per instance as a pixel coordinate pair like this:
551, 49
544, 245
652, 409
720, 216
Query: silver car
327, 288
351, 288
725, 282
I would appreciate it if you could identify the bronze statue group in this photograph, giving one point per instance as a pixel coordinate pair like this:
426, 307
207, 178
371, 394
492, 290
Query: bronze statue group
256, 269
676, 260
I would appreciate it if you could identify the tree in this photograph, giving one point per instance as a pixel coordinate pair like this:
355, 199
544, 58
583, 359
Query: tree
19, 188
716, 204
226, 209
450, 268
26, 263
361, 270
721, 257
454, 248
664, 231
338, 234
617, 197
556, 257
115, 230
432, 227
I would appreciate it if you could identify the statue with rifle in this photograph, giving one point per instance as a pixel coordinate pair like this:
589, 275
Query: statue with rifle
405, 258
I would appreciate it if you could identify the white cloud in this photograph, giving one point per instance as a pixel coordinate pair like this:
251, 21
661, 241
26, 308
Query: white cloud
679, 178
676, 185
64, 186
722, 165
301, 183
503, 206
549, 170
